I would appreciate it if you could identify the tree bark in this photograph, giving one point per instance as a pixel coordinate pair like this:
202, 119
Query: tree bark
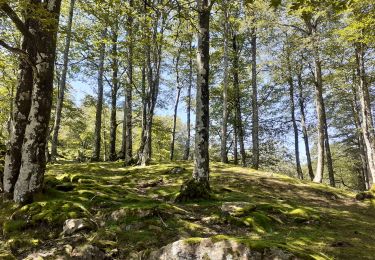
224, 127
304, 127
62, 84
129, 93
318, 83
364, 179
331, 174
31, 175
21, 109
235, 145
294, 123
188, 106
99, 107
178, 94
237, 97
365, 107
199, 186
254, 100
114, 92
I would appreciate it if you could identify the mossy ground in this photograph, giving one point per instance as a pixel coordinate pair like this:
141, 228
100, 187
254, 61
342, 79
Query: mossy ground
134, 209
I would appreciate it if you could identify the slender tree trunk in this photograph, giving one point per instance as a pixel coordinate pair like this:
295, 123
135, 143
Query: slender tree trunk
99, 107
104, 128
62, 84
188, 107
365, 106
254, 100
318, 82
224, 127
175, 109
292, 112
237, 93
31, 175
235, 146
114, 92
154, 57
199, 186
129, 93
363, 179
22, 104
331, 174
304, 127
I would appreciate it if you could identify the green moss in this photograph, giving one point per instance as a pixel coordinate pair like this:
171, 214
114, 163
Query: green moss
15, 226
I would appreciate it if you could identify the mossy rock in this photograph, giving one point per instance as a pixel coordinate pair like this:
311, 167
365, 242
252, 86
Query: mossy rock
301, 215
50, 213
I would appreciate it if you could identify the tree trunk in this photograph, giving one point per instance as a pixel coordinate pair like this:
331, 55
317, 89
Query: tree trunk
254, 100
318, 83
224, 127
21, 109
292, 112
153, 59
304, 127
129, 94
235, 145
62, 84
331, 174
198, 186
31, 175
188, 107
363, 179
175, 108
365, 106
114, 92
237, 97
99, 107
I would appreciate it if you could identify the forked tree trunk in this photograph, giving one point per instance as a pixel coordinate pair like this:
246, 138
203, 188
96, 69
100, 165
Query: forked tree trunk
99, 107
21, 109
31, 175
304, 127
292, 112
199, 186
224, 127
62, 84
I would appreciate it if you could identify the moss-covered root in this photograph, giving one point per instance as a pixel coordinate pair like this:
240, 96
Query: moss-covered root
193, 189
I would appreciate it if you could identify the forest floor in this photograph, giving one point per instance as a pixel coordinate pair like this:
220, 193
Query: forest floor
133, 211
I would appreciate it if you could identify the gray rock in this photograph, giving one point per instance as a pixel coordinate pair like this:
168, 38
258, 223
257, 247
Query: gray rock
208, 249
177, 170
72, 226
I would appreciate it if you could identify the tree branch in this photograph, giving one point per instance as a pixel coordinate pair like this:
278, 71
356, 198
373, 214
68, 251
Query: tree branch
16, 20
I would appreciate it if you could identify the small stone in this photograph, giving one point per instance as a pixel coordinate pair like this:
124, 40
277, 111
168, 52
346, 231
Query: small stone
72, 226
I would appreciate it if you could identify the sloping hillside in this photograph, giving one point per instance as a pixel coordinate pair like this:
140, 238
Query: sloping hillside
130, 212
